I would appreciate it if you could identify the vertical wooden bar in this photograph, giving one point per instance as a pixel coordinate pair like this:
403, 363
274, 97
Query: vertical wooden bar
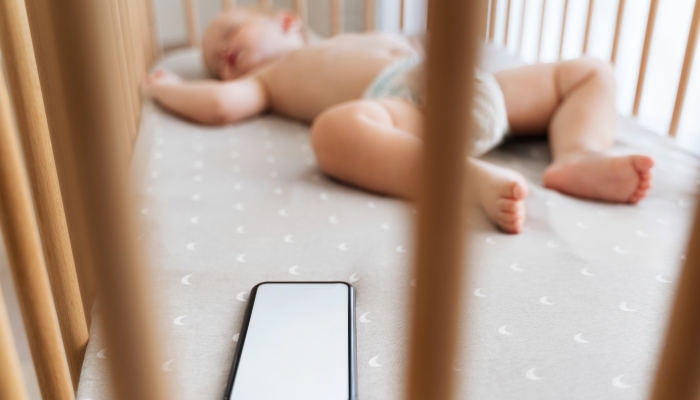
539, 41
227, 4
618, 30
300, 8
402, 15
685, 72
146, 31
563, 28
589, 21
23, 82
453, 29
651, 22
27, 263
336, 17
505, 39
127, 95
493, 14
678, 371
79, 32
370, 15
265, 4
123, 22
522, 27
12, 385
156, 46
192, 23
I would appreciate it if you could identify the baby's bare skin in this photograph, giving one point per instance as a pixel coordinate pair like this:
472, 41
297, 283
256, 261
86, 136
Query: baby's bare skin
266, 62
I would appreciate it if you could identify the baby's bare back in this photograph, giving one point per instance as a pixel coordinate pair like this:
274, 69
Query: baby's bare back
307, 81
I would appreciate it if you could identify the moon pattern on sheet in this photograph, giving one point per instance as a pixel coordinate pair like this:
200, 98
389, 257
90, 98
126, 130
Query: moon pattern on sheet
502, 330
641, 234
278, 191
192, 246
194, 220
144, 211
283, 212
196, 197
489, 240
242, 296
370, 204
323, 196
178, 320
238, 206
662, 221
661, 279
363, 318
551, 203
401, 249
620, 250
270, 159
234, 154
581, 225
552, 244
101, 353
288, 239
235, 337
240, 229
343, 247
237, 186
546, 301
197, 178
155, 174
241, 258
199, 164
186, 279
515, 267
385, 226
684, 203
373, 362
479, 293
333, 219
579, 338
617, 382
624, 307
293, 270
166, 366
353, 278
198, 148
530, 374
273, 174
584, 271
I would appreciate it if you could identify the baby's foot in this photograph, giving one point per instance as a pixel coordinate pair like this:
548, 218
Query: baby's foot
618, 179
502, 193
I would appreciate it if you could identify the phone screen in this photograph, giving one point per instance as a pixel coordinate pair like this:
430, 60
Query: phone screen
298, 343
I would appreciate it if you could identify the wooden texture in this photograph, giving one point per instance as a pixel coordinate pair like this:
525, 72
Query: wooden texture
493, 16
678, 371
78, 30
12, 385
191, 19
370, 15
522, 27
618, 31
539, 41
402, 15
336, 17
453, 28
685, 72
26, 261
563, 28
507, 33
265, 4
300, 7
589, 22
23, 82
648, 36
228, 4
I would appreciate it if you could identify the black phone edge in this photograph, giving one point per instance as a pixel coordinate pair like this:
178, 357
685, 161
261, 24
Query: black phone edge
351, 334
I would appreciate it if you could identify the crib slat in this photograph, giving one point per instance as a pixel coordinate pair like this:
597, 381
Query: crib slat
505, 39
618, 30
132, 63
493, 13
522, 27
589, 21
563, 28
264, 4
678, 370
539, 42
130, 109
651, 22
192, 23
300, 8
687, 67
156, 45
27, 263
402, 15
23, 80
11, 381
86, 102
227, 4
370, 15
453, 28
336, 17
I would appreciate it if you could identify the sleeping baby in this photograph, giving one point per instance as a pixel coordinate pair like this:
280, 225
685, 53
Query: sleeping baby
364, 96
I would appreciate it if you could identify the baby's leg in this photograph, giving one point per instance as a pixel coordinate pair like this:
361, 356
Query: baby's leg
575, 101
376, 144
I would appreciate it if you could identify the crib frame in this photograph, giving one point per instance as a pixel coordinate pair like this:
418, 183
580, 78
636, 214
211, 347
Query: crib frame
67, 221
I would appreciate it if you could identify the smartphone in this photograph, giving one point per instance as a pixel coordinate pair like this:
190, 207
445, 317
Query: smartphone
297, 342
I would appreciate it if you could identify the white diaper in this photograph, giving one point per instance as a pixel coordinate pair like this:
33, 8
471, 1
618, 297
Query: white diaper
404, 79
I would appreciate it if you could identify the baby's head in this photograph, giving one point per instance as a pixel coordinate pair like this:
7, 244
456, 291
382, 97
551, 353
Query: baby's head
237, 41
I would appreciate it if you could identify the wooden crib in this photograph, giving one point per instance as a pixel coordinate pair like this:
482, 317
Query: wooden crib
68, 242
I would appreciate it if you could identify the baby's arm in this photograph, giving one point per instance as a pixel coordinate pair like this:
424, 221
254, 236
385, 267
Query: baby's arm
208, 101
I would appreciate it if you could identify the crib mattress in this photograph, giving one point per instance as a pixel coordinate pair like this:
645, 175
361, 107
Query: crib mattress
574, 307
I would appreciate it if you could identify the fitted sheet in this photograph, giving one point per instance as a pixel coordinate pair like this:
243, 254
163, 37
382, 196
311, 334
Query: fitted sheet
574, 307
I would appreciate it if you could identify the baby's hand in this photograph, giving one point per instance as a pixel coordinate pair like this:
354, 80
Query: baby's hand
158, 78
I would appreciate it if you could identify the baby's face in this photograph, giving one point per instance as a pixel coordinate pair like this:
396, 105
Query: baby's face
238, 41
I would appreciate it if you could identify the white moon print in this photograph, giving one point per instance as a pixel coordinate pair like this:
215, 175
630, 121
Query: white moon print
579, 338
530, 374
293, 270
178, 320
241, 258
502, 330
186, 279
101, 353
373, 362
363, 318
545, 301
166, 366
617, 382
242, 296
624, 307
479, 293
